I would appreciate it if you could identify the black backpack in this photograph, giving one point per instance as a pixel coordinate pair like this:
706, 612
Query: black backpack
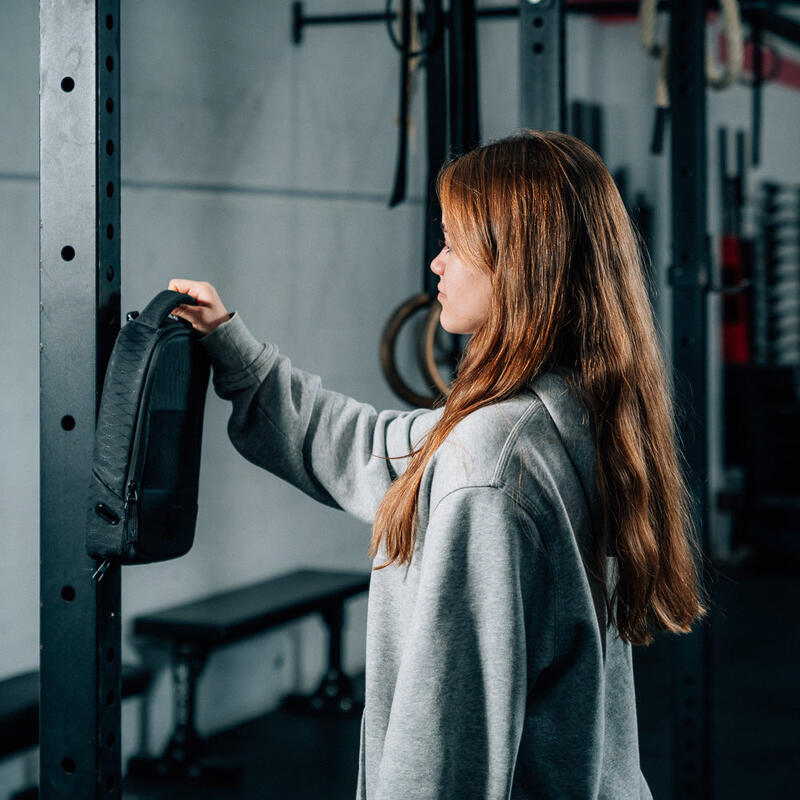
142, 503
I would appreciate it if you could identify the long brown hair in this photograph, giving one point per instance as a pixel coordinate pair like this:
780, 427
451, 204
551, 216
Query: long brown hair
540, 212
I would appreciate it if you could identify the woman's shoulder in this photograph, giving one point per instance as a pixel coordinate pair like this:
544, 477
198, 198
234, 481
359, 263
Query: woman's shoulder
486, 431
541, 432
549, 400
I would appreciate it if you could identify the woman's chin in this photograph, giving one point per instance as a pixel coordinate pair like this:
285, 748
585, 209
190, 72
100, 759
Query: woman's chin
455, 326
447, 324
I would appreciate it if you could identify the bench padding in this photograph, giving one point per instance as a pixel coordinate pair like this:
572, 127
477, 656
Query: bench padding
233, 615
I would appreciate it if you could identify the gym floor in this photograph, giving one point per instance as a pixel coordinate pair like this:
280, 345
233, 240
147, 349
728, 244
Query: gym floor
756, 696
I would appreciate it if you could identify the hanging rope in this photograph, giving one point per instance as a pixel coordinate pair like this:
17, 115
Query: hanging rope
417, 49
734, 47
409, 63
647, 27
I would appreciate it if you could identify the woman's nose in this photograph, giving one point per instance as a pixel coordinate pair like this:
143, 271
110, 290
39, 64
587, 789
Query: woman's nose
437, 265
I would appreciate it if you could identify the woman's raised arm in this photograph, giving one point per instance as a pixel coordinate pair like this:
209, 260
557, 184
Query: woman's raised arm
328, 445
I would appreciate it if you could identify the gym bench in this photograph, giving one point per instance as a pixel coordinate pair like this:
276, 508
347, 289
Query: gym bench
196, 628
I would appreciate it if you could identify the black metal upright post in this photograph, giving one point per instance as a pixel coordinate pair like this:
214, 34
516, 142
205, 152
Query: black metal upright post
689, 279
436, 127
542, 78
462, 52
79, 318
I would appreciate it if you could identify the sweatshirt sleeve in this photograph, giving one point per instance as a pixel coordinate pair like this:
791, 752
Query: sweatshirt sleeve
335, 449
483, 616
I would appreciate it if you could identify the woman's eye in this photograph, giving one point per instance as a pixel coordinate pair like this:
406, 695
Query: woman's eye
443, 245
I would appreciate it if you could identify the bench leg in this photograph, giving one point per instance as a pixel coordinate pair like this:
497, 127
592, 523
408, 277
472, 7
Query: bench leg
334, 695
188, 663
182, 756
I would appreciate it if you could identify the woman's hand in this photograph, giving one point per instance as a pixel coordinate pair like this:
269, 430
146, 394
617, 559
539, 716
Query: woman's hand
209, 312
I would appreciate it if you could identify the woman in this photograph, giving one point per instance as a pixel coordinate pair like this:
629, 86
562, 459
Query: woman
529, 532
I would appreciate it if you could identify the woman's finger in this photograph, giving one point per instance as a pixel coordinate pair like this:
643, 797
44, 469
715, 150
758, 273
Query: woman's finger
185, 287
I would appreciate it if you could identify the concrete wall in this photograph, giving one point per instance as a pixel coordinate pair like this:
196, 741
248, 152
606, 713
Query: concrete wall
266, 168
19, 356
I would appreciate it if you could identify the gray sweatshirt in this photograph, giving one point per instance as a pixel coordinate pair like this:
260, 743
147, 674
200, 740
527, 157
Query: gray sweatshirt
490, 671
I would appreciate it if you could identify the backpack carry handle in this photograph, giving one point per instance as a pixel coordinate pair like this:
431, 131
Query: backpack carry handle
159, 308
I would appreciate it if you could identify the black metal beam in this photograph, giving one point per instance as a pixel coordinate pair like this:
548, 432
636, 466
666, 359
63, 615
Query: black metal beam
462, 55
689, 279
300, 19
79, 319
542, 75
436, 129
781, 26
778, 25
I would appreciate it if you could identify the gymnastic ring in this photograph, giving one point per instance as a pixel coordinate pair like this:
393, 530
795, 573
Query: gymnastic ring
388, 339
427, 358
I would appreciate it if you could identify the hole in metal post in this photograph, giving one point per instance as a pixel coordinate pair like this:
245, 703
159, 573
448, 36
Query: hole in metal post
110, 654
538, 47
109, 21
110, 698
67, 422
68, 593
110, 232
109, 105
110, 64
67, 84
538, 22
109, 189
110, 739
67, 253
68, 765
110, 273
110, 147
110, 783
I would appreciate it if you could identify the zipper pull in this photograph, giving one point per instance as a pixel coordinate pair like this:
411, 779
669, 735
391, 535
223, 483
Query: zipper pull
132, 494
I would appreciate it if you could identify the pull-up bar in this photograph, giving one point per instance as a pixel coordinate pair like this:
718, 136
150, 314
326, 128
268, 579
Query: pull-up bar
768, 20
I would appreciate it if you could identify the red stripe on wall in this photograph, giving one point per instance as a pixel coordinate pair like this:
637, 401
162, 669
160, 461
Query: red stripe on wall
605, 19
786, 71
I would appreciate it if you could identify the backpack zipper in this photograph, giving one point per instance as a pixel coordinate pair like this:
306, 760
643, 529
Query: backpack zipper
132, 498
131, 493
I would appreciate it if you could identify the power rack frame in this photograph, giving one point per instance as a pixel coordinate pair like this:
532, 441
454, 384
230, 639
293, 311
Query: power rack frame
79, 710
80, 317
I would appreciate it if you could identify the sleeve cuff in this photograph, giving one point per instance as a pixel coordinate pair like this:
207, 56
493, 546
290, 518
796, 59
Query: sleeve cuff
233, 351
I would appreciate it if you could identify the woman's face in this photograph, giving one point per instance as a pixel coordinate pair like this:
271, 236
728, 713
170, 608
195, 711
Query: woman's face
464, 290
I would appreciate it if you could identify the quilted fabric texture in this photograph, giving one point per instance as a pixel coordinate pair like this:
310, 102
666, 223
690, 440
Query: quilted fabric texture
122, 392
114, 527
